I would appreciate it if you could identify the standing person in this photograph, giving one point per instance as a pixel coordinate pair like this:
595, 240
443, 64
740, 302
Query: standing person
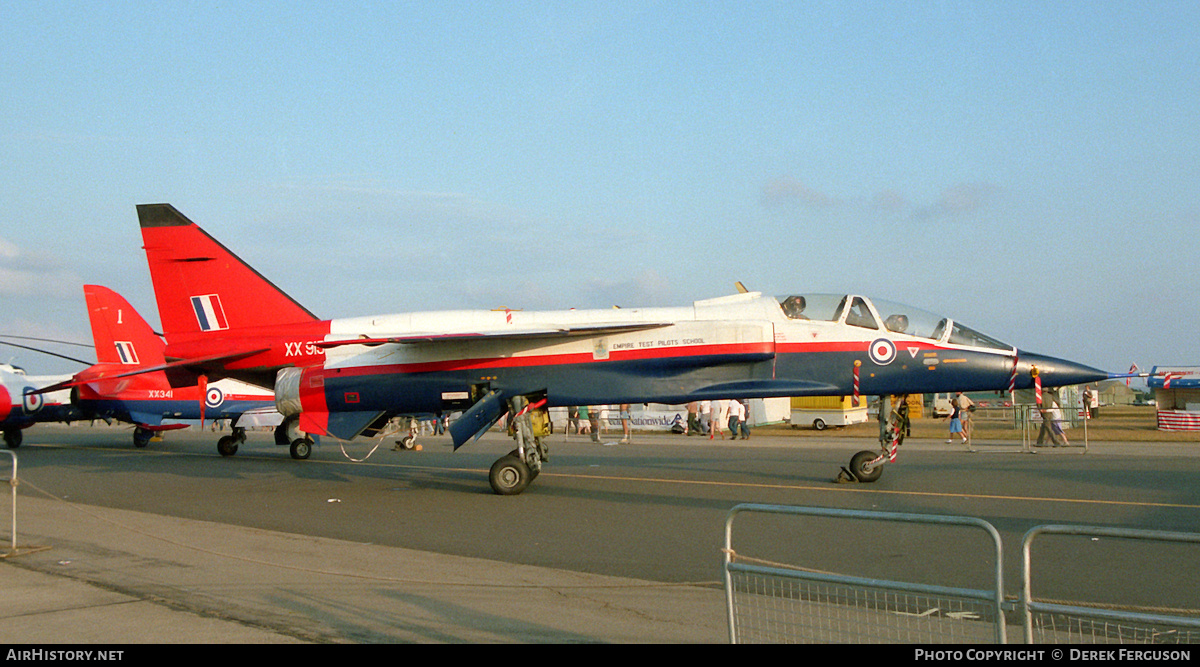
1090, 404
902, 412
1051, 420
573, 419
594, 422
693, 422
718, 412
745, 425
1056, 427
705, 417
585, 426
736, 414
956, 422
1046, 432
625, 423
965, 408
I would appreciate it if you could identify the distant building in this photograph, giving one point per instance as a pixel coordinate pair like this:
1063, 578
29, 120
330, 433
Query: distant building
1115, 392
1177, 394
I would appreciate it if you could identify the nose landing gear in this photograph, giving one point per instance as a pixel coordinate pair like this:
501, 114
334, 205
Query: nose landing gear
867, 465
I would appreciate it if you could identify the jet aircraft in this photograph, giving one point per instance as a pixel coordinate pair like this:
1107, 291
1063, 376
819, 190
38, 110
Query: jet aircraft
346, 377
22, 404
125, 342
129, 383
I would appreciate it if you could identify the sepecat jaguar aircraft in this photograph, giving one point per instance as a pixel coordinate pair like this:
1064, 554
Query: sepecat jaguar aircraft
347, 377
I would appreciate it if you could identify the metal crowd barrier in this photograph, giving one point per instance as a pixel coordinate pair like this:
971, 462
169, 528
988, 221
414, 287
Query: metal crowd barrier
768, 603
785, 603
14, 550
1030, 426
1047, 622
12, 482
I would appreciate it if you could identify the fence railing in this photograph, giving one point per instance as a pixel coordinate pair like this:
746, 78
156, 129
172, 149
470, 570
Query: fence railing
781, 603
12, 482
1076, 623
768, 603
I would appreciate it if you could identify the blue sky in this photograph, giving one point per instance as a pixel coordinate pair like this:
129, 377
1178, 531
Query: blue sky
1027, 168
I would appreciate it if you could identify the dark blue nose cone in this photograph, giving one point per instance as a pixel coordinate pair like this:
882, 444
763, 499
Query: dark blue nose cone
1054, 372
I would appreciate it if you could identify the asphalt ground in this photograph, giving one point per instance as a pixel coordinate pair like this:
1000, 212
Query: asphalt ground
612, 543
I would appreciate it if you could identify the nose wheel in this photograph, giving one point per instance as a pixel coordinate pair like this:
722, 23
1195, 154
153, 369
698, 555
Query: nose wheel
867, 465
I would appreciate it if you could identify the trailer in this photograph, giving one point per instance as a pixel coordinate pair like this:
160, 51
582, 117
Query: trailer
821, 412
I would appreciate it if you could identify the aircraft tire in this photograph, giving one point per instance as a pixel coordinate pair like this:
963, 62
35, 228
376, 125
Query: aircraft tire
227, 445
509, 476
533, 472
141, 437
861, 459
301, 449
13, 437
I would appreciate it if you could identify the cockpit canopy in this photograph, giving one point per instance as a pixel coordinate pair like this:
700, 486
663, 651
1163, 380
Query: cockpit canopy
884, 315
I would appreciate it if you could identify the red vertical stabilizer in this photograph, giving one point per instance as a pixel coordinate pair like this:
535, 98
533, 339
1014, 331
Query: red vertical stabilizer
203, 287
120, 334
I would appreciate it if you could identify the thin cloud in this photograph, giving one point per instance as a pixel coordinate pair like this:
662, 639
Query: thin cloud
22, 274
890, 201
960, 200
788, 190
646, 288
953, 202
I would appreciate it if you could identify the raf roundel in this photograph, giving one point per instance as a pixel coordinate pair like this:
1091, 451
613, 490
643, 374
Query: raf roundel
32, 402
213, 397
883, 351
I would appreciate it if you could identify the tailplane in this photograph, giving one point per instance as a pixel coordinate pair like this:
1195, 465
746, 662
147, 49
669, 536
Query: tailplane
201, 286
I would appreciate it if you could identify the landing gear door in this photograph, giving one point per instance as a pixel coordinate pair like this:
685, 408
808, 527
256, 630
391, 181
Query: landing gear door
478, 418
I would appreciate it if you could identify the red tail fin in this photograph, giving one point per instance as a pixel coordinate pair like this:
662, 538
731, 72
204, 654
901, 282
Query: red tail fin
119, 333
201, 286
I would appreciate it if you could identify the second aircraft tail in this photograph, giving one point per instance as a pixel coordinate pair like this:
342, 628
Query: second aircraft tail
120, 334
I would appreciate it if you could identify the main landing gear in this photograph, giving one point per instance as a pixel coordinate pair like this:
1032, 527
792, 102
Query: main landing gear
142, 437
288, 433
513, 472
13, 437
227, 445
867, 465
408, 434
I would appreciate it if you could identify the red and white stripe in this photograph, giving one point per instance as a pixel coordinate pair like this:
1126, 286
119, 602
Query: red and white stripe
1178, 420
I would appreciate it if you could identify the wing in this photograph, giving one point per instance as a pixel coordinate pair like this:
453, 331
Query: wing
517, 334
